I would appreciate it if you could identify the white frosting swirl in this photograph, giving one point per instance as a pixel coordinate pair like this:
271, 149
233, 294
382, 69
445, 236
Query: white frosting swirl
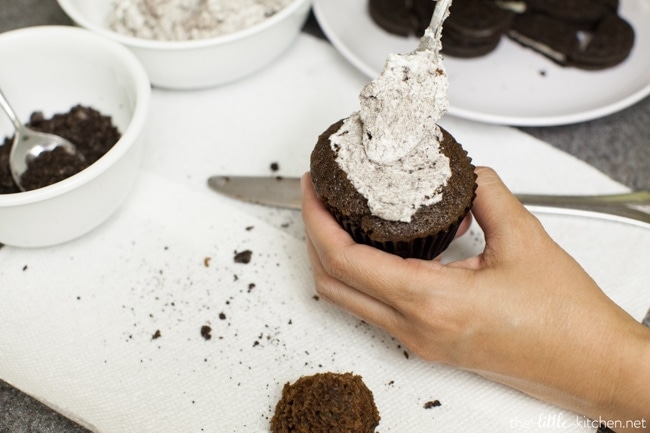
390, 149
396, 190
402, 104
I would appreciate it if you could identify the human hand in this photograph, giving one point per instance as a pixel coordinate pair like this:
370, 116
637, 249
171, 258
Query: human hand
523, 312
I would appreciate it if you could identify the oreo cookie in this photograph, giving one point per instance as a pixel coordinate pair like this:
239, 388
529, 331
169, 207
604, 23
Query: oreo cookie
466, 48
423, 11
474, 28
587, 34
553, 38
606, 43
394, 16
402, 17
609, 44
579, 12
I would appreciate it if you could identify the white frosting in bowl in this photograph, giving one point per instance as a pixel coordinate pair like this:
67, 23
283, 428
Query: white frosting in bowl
181, 20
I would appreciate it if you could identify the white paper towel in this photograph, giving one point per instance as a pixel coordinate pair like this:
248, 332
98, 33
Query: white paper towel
81, 320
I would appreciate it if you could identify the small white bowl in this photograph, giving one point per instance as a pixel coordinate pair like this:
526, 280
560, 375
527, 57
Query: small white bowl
199, 63
51, 69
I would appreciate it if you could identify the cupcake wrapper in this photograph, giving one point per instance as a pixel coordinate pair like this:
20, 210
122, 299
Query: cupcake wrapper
425, 248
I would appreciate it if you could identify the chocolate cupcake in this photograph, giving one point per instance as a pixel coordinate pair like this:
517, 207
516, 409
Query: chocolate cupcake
326, 403
390, 175
430, 229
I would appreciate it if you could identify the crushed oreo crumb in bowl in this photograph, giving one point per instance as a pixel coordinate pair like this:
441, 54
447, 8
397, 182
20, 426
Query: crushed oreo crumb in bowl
94, 92
184, 44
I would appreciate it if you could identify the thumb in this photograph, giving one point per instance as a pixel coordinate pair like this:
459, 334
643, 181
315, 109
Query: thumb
498, 211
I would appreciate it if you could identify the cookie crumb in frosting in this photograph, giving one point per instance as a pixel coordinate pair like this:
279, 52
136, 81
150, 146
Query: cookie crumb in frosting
432, 404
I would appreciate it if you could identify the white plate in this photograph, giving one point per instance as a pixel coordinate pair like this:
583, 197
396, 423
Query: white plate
512, 85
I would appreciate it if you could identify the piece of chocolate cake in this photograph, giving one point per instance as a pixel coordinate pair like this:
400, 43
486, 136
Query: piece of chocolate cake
326, 403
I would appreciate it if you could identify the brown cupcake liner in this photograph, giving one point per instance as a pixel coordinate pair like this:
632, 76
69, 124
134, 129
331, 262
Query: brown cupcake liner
425, 248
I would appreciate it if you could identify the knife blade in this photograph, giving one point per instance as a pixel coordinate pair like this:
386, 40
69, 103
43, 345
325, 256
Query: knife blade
284, 192
275, 191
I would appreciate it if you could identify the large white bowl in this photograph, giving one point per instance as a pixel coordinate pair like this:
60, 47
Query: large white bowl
51, 69
199, 63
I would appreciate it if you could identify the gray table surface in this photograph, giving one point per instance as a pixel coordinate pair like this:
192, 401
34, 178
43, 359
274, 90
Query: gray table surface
618, 145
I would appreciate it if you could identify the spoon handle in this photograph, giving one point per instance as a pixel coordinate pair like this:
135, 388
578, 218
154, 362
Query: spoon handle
10, 111
440, 13
625, 199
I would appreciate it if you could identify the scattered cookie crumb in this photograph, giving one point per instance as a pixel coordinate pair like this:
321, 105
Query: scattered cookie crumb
275, 166
243, 256
432, 404
406, 354
206, 332
222, 316
24, 268
206, 262
156, 335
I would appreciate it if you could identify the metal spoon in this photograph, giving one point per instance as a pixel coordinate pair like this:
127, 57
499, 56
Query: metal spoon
440, 13
28, 144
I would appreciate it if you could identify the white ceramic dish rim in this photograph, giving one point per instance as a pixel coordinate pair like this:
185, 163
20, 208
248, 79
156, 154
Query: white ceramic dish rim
152, 44
136, 124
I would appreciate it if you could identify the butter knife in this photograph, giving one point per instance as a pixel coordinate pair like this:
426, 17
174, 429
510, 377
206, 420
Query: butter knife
284, 192
275, 191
